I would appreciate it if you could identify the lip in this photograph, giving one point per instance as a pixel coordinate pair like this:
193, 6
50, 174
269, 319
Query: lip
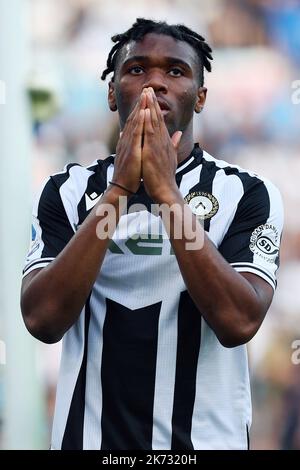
163, 105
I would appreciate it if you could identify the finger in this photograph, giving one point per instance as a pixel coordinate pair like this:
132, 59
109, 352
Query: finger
151, 106
140, 104
139, 129
159, 114
133, 117
176, 139
148, 128
143, 99
136, 124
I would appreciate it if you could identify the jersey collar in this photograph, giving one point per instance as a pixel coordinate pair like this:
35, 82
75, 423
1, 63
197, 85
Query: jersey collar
193, 160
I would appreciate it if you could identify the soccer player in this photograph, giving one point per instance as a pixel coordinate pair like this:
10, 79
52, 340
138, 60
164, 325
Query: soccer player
154, 306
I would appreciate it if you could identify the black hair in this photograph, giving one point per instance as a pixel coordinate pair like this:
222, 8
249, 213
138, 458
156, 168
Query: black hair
180, 32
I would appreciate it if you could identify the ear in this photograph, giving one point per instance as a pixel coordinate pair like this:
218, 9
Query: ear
200, 99
112, 96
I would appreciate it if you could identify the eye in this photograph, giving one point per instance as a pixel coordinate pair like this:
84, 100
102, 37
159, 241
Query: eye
176, 72
135, 70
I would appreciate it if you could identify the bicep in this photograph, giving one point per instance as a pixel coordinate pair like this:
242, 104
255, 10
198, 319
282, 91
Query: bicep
264, 295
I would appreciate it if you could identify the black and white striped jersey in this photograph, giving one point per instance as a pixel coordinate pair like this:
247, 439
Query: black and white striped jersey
141, 369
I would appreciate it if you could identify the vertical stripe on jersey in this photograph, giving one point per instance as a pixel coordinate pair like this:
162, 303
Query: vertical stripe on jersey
248, 437
165, 373
55, 229
96, 184
222, 402
73, 436
189, 179
188, 346
71, 360
205, 184
72, 191
93, 390
252, 210
128, 376
227, 196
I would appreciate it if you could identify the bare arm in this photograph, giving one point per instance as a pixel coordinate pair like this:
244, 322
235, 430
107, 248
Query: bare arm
234, 305
53, 297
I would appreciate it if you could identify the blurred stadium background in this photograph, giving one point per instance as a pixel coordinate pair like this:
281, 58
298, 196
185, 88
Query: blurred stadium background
53, 110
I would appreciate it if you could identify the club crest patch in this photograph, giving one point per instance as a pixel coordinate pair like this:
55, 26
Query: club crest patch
203, 205
264, 242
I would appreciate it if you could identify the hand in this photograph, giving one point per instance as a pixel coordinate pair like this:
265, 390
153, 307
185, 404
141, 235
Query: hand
128, 161
159, 154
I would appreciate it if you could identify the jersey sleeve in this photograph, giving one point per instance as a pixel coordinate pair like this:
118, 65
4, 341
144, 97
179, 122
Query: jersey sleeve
252, 242
50, 230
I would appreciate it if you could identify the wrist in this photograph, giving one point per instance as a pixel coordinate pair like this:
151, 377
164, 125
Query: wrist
169, 196
122, 186
113, 194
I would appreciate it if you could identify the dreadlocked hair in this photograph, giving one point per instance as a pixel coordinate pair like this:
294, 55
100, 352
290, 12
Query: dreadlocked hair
180, 32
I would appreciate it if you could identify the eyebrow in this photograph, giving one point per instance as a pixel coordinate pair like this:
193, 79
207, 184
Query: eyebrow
169, 60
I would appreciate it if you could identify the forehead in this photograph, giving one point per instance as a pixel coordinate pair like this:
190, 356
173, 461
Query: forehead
156, 46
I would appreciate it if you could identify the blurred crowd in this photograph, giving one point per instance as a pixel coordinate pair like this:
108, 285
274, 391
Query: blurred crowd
250, 119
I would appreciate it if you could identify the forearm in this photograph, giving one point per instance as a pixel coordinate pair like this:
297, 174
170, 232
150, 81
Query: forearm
55, 296
227, 301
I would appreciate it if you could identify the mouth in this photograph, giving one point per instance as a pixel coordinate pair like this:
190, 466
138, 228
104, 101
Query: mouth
165, 108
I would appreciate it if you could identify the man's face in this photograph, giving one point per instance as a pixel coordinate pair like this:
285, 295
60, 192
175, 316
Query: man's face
170, 67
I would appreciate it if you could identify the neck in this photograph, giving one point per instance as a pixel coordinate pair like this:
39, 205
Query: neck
186, 145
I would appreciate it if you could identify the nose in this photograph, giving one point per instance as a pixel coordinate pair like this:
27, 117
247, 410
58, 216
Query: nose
157, 80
